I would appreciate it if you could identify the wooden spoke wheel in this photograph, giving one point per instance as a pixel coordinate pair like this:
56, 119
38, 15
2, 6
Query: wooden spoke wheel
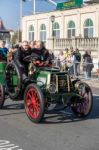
13, 80
34, 103
83, 108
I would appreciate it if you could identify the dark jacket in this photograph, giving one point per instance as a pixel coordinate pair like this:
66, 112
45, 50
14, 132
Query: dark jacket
19, 56
42, 53
88, 63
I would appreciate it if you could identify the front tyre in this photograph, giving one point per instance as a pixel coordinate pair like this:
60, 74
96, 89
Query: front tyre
34, 103
2, 96
83, 108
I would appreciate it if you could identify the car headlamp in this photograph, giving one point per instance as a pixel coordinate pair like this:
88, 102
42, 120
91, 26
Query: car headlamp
52, 88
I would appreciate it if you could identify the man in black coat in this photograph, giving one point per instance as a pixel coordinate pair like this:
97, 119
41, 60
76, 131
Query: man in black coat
19, 56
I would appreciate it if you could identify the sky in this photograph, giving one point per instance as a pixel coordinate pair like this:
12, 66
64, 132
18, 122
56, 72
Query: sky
10, 10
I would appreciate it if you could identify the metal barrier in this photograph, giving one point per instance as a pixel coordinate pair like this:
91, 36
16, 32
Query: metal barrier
87, 75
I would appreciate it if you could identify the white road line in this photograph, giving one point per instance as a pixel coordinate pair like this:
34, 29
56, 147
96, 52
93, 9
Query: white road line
95, 95
6, 145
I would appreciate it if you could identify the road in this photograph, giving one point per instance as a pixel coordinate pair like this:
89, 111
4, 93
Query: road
57, 132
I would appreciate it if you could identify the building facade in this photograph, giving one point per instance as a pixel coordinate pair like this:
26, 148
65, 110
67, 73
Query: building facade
79, 22
70, 27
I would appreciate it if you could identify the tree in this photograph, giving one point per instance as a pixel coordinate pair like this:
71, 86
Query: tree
17, 37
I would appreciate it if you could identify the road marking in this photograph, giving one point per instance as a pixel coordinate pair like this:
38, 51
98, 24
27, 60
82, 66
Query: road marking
6, 145
95, 95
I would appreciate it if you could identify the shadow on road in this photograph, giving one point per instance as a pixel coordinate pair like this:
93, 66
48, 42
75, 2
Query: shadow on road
67, 116
95, 110
52, 116
14, 106
12, 109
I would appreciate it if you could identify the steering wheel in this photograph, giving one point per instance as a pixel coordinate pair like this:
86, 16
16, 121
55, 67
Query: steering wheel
32, 57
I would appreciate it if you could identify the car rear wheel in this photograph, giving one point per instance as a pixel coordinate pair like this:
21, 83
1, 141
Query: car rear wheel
83, 108
34, 103
2, 96
13, 80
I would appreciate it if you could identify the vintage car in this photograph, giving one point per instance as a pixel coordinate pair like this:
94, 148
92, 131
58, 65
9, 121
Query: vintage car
44, 86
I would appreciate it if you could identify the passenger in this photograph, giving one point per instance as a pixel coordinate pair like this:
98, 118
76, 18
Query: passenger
31, 44
42, 52
10, 54
19, 56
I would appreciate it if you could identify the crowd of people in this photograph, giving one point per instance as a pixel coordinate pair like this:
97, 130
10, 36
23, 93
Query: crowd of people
72, 59
69, 59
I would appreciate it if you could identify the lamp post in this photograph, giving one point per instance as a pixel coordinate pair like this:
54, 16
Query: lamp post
34, 6
53, 20
18, 32
21, 13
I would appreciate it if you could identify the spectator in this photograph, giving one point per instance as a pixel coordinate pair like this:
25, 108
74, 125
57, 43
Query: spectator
3, 50
66, 53
62, 61
77, 61
70, 62
11, 52
87, 64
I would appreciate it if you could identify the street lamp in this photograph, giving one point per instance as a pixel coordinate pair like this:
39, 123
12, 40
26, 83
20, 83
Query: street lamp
18, 32
53, 20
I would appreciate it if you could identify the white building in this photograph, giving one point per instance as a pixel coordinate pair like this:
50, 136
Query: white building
80, 23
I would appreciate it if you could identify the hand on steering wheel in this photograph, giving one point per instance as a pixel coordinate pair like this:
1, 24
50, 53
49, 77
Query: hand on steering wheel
32, 57
38, 63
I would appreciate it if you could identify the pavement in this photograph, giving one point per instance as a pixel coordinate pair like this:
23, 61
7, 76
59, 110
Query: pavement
93, 81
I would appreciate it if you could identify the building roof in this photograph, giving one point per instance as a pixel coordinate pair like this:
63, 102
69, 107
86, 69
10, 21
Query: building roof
2, 27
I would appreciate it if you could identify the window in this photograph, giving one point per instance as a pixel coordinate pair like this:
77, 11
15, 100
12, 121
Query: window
71, 29
88, 28
56, 30
43, 32
31, 33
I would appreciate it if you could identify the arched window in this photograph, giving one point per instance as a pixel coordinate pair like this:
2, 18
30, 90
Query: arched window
71, 29
88, 28
43, 32
56, 30
31, 33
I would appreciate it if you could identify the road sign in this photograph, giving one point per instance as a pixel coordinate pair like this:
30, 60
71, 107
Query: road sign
69, 4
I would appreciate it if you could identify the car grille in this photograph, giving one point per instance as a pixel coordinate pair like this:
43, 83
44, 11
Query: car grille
64, 83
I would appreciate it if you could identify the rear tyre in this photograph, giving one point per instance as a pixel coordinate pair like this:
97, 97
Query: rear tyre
83, 108
34, 103
2, 96
13, 80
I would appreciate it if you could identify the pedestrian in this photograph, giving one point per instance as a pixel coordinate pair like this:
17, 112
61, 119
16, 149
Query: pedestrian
87, 64
70, 62
62, 61
77, 62
3, 50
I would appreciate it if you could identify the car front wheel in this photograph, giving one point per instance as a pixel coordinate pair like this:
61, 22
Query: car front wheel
34, 103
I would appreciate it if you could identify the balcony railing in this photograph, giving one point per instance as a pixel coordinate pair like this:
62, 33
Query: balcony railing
80, 43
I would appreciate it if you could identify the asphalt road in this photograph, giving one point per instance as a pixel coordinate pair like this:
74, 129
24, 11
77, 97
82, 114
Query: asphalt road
57, 132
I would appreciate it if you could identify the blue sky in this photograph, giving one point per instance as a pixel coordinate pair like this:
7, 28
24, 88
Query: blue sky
9, 10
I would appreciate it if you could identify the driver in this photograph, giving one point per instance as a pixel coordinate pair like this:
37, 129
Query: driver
42, 52
19, 56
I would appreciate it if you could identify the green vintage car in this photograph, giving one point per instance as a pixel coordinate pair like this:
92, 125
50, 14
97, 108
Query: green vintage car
43, 87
